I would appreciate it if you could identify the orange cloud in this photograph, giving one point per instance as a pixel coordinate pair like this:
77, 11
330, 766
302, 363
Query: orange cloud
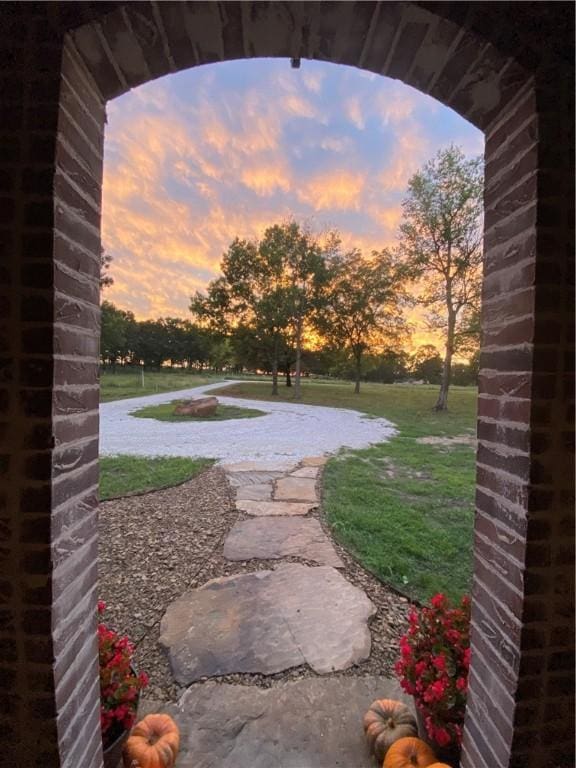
298, 106
389, 218
337, 189
266, 179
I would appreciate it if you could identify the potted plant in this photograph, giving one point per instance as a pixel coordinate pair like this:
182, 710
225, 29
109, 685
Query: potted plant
433, 668
120, 687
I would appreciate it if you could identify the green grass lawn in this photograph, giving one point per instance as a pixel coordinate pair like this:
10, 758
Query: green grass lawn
123, 384
122, 475
165, 412
403, 508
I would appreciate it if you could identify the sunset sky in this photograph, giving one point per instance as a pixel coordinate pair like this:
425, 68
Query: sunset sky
196, 158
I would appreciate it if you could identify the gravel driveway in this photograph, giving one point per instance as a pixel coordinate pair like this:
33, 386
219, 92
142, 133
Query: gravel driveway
288, 430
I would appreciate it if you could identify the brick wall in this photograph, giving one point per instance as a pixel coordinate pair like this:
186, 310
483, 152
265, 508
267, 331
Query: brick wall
546, 671
54, 94
27, 709
523, 591
76, 332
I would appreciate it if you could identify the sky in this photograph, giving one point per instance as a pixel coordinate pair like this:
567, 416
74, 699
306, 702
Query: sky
194, 159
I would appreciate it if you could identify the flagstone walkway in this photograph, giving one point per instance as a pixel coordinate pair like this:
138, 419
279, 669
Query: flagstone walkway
301, 612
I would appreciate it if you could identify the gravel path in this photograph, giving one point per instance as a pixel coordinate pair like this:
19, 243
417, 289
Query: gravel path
155, 547
288, 430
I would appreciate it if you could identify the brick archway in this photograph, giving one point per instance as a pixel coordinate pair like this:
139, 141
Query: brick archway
501, 66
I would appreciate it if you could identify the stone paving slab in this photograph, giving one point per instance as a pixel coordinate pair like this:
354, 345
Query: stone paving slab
310, 472
310, 723
295, 489
255, 492
314, 461
267, 621
275, 508
240, 479
260, 466
276, 537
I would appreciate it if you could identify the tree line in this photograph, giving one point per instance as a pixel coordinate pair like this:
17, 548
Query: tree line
297, 301
176, 342
156, 343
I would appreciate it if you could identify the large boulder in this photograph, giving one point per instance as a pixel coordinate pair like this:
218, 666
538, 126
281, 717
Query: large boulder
204, 406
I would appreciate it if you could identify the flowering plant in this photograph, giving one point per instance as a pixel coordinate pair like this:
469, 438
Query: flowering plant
119, 684
433, 666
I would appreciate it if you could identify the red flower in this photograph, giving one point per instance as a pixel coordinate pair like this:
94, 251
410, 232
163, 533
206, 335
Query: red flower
439, 662
420, 667
442, 737
438, 601
453, 636
436, 691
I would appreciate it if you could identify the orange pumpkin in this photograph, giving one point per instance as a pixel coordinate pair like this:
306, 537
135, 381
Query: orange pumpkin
409, 753
153, 743
439, 765
385, 722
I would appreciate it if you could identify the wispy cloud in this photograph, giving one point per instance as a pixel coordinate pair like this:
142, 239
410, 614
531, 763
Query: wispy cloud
313, 79
266, 178
334, 190
355, 112
337, 143
411, 149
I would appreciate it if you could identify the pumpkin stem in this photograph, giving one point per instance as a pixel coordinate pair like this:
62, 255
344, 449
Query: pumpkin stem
391, 723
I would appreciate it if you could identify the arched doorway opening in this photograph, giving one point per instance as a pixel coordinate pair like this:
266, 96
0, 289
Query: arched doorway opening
269, 116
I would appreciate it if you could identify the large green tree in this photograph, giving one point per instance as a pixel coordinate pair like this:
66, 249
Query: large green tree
363, 308
267, 294
305, 274
250, 293
441, 241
